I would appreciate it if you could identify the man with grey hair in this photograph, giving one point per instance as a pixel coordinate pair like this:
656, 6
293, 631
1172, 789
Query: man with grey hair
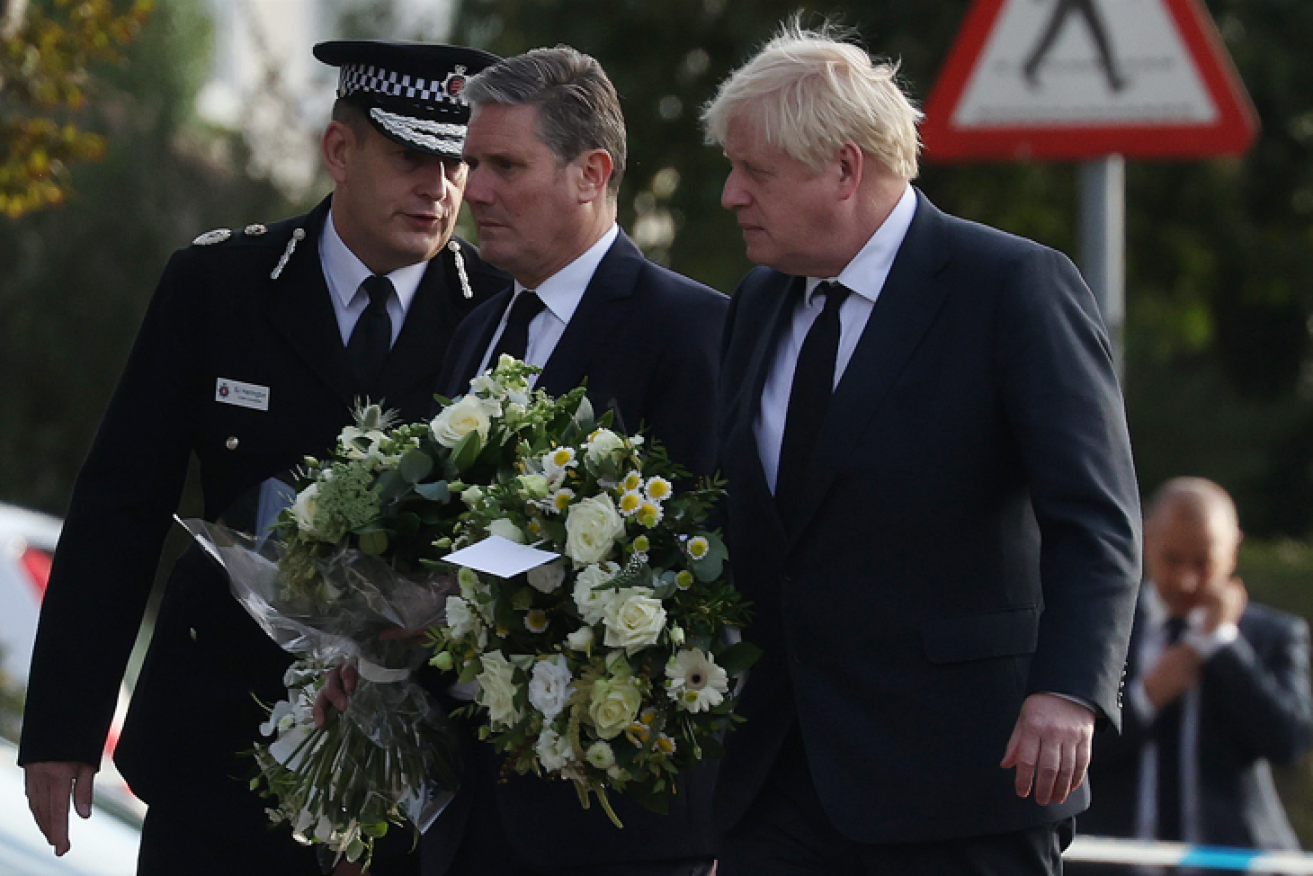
1217, 691
546, 151
931, 499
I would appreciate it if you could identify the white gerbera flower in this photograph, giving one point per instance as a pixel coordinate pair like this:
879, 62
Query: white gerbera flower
694, 681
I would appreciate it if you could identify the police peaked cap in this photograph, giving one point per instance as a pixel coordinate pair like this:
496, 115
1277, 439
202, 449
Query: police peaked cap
411, 92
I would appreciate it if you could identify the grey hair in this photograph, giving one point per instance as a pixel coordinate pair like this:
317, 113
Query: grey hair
578, 108
811, 91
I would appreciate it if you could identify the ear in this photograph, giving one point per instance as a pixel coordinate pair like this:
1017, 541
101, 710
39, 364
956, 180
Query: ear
337, 143
594, 172
850, 166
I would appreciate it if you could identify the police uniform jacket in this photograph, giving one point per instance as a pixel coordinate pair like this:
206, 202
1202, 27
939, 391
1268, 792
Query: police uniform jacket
244, 318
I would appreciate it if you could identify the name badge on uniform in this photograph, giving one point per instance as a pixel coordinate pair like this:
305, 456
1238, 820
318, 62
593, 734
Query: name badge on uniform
244, 395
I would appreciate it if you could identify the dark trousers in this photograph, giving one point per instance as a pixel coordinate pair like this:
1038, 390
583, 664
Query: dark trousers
484, 850
787, 833
246, 843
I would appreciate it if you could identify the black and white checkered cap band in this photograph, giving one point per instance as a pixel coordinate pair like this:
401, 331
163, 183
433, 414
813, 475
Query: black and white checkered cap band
375, 80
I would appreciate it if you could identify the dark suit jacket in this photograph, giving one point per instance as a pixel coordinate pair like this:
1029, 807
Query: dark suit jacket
647, 340
969, 535
216, 314
1255, 709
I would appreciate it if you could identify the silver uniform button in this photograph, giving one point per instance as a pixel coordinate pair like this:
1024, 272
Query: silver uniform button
231, 443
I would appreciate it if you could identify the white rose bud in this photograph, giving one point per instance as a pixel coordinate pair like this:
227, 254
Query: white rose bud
472, 497
581, 639
459, 419
506, 529
591, 527
600, 755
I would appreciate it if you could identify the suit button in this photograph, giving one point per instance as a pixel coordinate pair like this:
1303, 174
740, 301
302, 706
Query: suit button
231, 443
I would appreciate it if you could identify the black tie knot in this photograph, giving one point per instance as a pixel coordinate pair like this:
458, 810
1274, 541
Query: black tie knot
379, 290
1175, 628
835, 294
527, 305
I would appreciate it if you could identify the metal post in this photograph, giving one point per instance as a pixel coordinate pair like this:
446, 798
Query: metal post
1103, 242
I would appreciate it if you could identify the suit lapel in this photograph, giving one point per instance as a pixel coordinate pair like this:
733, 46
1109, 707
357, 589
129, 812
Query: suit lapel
300, 307
904, 312
594, 321
473, 341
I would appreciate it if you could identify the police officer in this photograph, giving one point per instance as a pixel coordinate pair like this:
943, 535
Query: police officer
256, 346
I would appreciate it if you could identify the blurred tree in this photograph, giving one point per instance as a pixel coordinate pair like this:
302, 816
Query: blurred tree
74, 282
46, 52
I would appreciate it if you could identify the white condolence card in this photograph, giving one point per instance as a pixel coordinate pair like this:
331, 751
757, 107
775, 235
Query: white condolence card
500, 556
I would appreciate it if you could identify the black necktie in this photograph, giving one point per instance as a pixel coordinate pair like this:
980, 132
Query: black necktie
372, 337
809, 397
514, 340
1167, 734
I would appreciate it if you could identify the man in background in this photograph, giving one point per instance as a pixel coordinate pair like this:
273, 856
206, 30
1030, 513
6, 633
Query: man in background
1217, 691
255, 348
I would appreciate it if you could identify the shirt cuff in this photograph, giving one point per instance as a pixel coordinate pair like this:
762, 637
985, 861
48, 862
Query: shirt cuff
1080, 701
1208, 644
1138, 697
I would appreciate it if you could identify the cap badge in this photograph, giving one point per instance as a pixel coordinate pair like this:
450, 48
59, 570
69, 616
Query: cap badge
454, 84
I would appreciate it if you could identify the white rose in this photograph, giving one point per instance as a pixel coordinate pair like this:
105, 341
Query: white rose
581, 639
506, 529
546, 578
634, 620
551, 686
592, 603
496, 690
554, 750
600, 755
472, 496
462, 619
613, 706
457, 420
533, 486
603, 445
591, 527
305, 507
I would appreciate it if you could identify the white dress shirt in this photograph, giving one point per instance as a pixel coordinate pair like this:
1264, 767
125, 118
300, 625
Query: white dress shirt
344, 273
1152, 642
561, 294
865, 276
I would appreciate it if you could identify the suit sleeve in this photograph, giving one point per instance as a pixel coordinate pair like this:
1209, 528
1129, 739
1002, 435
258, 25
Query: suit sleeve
1065, 409
1263, 689
119, 515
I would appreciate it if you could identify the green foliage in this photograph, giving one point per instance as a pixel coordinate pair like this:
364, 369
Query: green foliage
45, 77
74, 282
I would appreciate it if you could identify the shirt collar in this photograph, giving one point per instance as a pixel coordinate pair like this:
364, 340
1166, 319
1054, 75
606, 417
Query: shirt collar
866, 273
344, 271
562, 291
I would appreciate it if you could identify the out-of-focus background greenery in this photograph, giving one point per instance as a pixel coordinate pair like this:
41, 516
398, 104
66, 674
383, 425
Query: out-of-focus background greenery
1219, 272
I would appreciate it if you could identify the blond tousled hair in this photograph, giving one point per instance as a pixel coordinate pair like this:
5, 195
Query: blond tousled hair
811, 91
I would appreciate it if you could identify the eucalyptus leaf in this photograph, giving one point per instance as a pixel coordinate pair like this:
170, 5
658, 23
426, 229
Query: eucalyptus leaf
415, 466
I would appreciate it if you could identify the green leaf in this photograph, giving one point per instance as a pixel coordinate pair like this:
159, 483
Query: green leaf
391, 486
373, 543
737, 659
438, 491
415, 466
466, 451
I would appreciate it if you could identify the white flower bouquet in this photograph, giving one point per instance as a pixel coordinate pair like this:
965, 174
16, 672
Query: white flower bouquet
355, 556
611, 666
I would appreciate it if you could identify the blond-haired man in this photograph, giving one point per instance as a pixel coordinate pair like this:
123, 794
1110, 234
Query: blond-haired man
932, 503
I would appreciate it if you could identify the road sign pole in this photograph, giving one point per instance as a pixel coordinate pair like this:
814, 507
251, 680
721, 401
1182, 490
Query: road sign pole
1103, 242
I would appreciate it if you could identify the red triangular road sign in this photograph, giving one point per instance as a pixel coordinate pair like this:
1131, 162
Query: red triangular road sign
1074, 79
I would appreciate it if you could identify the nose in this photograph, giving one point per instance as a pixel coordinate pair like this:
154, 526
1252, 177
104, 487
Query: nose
476, 190
436, 184
733, 195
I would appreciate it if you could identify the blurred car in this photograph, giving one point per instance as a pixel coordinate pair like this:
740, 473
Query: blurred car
106, 844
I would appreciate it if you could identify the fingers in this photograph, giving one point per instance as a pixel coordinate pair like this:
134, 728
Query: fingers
1050, 748
83, 790
50, 785
339, 684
